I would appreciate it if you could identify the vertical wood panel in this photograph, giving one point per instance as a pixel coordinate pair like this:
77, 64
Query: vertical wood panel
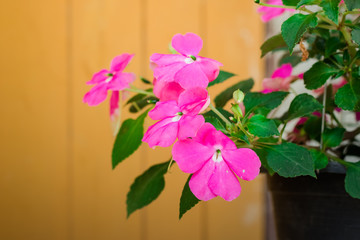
102, 30
33, 96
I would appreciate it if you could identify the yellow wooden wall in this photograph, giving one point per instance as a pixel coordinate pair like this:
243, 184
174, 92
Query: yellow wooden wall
56, 180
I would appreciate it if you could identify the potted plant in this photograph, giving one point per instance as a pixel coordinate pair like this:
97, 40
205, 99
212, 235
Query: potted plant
299, 137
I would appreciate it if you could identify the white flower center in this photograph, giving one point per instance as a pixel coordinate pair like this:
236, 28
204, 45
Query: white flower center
177, 117
189, 60
217, 156
108, 79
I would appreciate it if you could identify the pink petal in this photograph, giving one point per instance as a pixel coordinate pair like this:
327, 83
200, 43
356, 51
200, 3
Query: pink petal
121, 81
120, 62
114, 104
162, 133
96, 95
190, 155
194, 100
243, 161
188, 44
271, 84
189, 126
191, 76
166, 59
199, 182
164, 109
209, 136
168, 72
210, 67
283, 72
223, 182
167, 91
98, 77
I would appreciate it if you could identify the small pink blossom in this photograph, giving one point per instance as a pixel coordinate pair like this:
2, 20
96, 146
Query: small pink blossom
186, 68
269, 13
113, 79
213, 159
178, 119
280, 79
167, 91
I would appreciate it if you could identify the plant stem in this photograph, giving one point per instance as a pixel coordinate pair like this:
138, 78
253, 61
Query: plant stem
276, 6
138, 90
336, 120
339, 160
282, 132
219, 114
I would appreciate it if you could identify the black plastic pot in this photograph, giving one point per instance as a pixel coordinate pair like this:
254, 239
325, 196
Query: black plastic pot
307, 208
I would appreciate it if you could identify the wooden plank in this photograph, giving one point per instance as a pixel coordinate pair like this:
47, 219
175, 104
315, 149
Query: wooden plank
234, 35
102, 30
33, 172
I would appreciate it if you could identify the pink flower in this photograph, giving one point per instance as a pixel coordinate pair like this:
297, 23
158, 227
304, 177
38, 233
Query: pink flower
114, 105
113, 79
167, 91
187, 68
177, 119
213, 159
280, 79
269, 13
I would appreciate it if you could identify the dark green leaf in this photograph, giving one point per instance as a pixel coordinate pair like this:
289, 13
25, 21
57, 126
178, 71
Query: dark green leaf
271, 44
214, 115
128, 139
187, 200
352, 4
226, 95
348, 97
241, 136
290, 2
320, 159
317, 75
215, 122
352, 180
293, 59
333, 137
356, 36
303, 105
146, 187
312, 128
293, 28
260, 126
331, 8
221, 78
262, 154
290, 160
144, 80
307, 2
256, 100
137, 106
332, 45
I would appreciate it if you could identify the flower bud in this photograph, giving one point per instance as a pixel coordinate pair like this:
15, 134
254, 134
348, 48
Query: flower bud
238, 96
237, 111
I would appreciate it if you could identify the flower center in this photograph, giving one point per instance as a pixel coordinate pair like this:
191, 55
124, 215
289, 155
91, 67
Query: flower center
217, 156
177, 117
189, 60
109, 75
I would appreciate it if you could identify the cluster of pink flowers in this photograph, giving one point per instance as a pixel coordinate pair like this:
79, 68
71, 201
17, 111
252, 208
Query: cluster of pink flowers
180, 82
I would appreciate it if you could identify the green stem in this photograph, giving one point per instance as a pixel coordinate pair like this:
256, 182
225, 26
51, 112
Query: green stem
138, 90
348, 39
282, 132
276, 6
250, 137
329, 27
351, 12
219, 114
339, 160
336, 120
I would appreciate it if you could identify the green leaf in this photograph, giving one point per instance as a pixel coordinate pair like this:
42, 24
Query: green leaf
128, 139
255, 100
262, 154
352, 180
302, 105
290, 160
226, 95
320, 159
221, 77
294, 28
187, 200
215, 122
331, 8
333, 137
307, 2
293, 59
137, 106
271, 44
144, 80
290, 2
348, 97
352, 4
332, 45
317, 75
146, 187
260, 126
312, 128
214, 115
356, 36
241, 136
